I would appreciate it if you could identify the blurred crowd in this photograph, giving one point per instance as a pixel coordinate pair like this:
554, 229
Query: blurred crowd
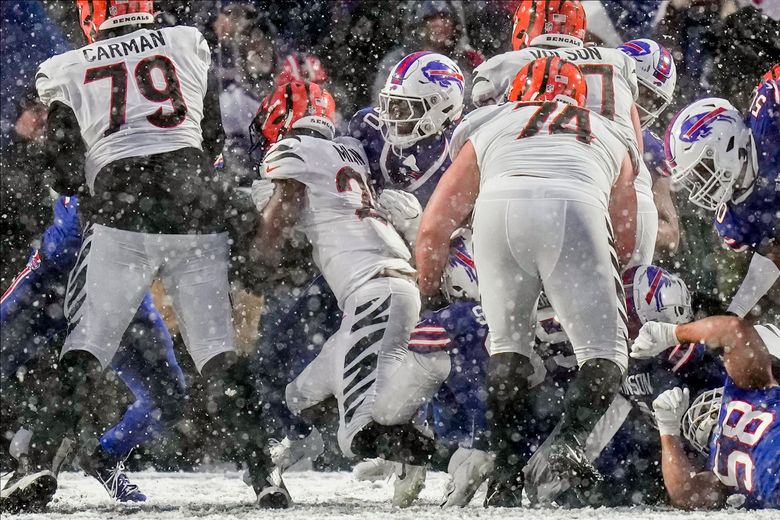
721, 47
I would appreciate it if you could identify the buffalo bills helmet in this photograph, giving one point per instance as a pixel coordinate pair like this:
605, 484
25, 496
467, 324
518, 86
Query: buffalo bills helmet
653, 294
422, 96
711, 153
656, 75
460, 273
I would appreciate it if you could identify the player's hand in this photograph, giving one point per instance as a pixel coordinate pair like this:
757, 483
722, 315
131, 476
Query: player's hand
669, 408
262, 191
654, 338
404, 210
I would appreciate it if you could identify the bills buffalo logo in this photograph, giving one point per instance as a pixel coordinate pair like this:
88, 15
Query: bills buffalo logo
663, 69
443, 74
699, 126
459, 256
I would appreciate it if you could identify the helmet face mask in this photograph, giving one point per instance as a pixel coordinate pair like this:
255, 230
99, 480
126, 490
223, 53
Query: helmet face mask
701, 418
423, 95
650, 103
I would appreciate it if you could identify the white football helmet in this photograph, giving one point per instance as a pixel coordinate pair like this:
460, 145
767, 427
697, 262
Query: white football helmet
460, 273
656, 75
653, 294
422, 95
710, 151
701, 418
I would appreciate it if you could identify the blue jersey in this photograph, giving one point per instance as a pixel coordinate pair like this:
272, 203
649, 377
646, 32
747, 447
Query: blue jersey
416, 169
459, 405
745, 447
689, 365
654, 155
754, 223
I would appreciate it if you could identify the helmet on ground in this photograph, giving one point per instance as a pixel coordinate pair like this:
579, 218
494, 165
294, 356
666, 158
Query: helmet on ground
656, 75
102, 15
556, 23
700, 420
549, 79
460, 273
422, 96
653, 294
710, 151
295, 105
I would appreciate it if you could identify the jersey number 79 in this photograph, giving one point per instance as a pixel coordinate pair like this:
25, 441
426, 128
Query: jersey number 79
171, 91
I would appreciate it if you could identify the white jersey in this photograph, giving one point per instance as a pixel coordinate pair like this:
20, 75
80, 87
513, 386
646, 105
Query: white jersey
133, 95
610, 74
548, 140
352, 242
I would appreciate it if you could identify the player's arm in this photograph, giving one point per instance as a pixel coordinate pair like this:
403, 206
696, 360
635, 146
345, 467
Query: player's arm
448, 209
64, 149
668, 236
637, 128
278, 218
622, 211
687, 487
762, 275
746, 357
211, 124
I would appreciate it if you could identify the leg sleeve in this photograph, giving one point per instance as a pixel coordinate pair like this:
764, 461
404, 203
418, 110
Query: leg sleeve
314, 384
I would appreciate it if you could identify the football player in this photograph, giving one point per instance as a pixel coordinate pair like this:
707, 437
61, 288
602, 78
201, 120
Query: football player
744, 444
544, 28
321, 186
542, 181
134, 121
623, 446
657, 223
407, 137
730, 164
32, 320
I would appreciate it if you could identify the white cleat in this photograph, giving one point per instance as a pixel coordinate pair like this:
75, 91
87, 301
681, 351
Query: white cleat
409, 481
372, 470
468, 469
287, 452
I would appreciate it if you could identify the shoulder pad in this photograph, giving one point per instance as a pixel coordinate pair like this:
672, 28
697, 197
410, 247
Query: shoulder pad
284, 160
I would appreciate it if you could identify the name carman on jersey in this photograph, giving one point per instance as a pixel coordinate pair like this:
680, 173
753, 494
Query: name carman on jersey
141, 43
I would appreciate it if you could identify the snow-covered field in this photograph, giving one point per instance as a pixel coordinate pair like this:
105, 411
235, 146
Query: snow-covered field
223, 496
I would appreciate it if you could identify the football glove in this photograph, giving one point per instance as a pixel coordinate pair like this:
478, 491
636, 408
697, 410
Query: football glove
262, 191
654, 337
669, 408
404, 211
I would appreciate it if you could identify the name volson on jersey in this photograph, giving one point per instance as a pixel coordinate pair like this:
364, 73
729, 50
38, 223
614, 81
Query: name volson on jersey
583, 53
141, 43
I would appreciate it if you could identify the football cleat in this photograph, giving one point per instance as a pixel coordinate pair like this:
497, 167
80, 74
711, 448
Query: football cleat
115, 481
287, 452
468, 469
274, 494
568, 461
409, 481
28, 493
501, 492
